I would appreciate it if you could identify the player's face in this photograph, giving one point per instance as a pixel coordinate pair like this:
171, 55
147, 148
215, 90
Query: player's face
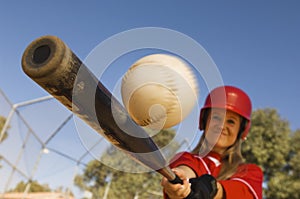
222, 129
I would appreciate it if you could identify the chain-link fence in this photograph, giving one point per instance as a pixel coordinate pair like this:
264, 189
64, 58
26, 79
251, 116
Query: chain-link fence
40, 144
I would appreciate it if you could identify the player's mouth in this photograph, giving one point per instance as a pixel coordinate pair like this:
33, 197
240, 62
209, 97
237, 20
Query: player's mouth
224, 133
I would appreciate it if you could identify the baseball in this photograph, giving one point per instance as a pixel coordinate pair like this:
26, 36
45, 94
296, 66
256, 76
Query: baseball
159, 91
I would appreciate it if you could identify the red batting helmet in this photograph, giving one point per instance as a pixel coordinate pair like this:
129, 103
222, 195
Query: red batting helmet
229, 98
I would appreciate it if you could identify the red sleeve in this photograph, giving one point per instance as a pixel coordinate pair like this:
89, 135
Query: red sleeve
246, 183
189, 160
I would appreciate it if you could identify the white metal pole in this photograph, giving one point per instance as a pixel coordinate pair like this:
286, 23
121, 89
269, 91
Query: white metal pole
107, 186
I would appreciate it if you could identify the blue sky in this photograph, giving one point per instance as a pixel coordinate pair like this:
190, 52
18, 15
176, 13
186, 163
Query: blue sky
255, 44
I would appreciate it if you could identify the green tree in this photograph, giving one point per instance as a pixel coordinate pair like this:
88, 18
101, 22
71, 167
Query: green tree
271, 146
294, 158
2, 122
94, 178
34, 187
98, 178
286, 184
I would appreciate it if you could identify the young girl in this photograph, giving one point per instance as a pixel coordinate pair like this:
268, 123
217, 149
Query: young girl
215, 168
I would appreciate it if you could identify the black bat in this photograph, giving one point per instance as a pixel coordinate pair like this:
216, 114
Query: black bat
52, 65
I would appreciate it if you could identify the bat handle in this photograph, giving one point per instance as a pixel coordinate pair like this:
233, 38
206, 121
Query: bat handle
170, 175
176, 180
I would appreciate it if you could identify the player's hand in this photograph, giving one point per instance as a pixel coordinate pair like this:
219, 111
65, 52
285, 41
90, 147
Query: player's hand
177, 191
204, 187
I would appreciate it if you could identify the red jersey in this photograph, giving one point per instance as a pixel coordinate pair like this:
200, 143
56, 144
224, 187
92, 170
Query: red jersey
246, 183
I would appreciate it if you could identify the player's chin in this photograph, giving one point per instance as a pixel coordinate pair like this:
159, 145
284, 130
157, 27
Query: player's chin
212, 140
224, 142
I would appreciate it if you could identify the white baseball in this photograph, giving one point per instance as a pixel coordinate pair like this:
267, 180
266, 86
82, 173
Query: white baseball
159, 91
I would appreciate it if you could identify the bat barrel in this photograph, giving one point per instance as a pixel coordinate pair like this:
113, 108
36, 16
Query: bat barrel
52, 65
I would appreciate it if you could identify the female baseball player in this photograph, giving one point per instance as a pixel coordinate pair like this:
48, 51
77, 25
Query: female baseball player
215, 168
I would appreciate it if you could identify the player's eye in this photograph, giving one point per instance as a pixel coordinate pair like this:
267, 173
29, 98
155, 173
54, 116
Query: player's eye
216, 118
231, 121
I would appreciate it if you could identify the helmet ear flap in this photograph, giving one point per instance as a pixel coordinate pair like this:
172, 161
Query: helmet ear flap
246, 131
203, 118
243, 126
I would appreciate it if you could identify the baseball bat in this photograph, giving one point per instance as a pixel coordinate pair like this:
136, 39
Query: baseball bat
52, 65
